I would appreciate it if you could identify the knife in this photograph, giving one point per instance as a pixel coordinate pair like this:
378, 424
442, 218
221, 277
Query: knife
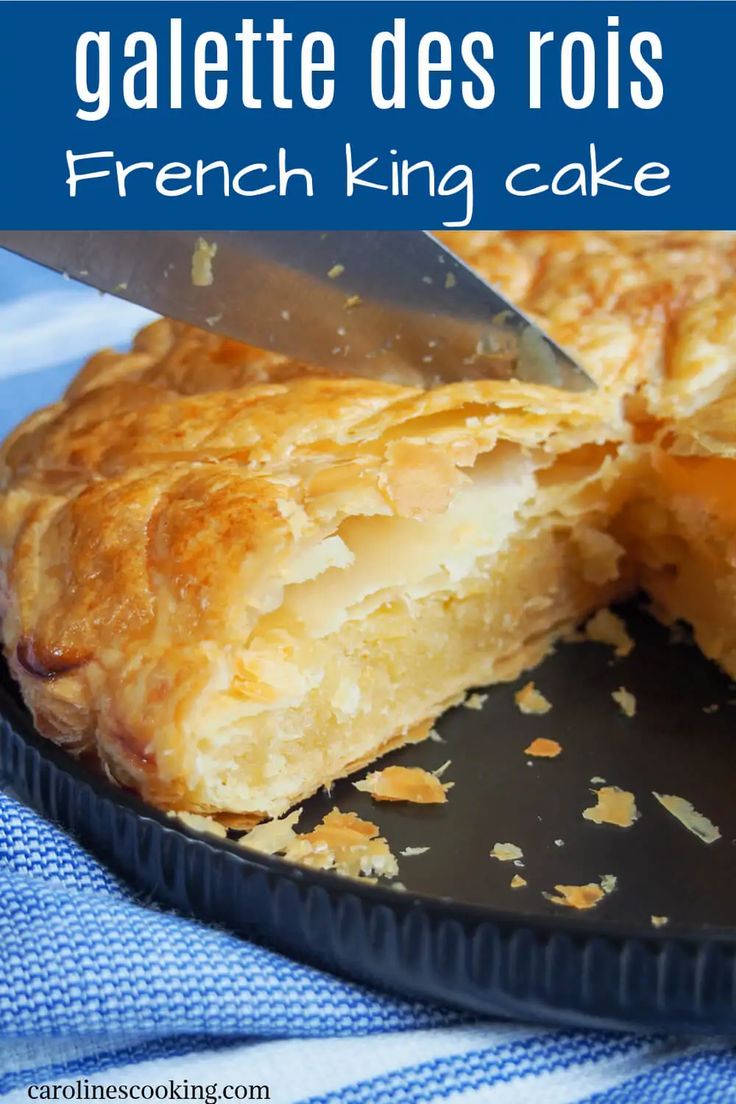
372, 303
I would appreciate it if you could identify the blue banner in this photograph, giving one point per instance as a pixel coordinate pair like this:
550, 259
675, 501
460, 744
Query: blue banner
353, 115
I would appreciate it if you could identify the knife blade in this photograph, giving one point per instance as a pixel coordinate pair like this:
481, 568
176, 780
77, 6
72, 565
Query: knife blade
385, 303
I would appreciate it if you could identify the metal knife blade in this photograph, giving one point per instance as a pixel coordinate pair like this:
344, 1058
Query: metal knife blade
363, 302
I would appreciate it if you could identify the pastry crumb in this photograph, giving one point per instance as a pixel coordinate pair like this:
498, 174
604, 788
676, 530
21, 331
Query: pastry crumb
241, 822
608, 882
200, 823
711, 708
542, 748
272, 837
559, 843
412, 784
598, 781
441, 770
576, 896
614, 806
659, 921
347, 844
531, 701
202, 258
506, 852
410, 852
517, 882
435, 737
606, 627
625, 701
689, 817
352, 301
475, 701
335, 271
583, 896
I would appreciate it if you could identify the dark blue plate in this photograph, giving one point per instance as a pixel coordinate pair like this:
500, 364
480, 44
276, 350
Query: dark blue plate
458, 933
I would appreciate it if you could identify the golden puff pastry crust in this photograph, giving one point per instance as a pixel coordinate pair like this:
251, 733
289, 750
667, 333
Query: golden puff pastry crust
197, 581
233, 577
640, 309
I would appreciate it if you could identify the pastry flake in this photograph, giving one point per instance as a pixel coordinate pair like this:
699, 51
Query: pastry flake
507, 852
273, 837
577, 896
345, 843
413, 784
606, 627
542, 748
583, 897
202, 258
532, 701
625, 700
613, 806
689, 817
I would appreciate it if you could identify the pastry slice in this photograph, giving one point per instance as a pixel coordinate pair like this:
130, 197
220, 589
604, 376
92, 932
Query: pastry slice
232, 597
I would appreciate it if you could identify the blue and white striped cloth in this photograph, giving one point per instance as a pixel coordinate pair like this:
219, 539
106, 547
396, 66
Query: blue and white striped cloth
98, 989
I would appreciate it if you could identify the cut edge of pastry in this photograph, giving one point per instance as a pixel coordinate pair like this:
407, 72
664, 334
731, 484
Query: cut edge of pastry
393, 664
